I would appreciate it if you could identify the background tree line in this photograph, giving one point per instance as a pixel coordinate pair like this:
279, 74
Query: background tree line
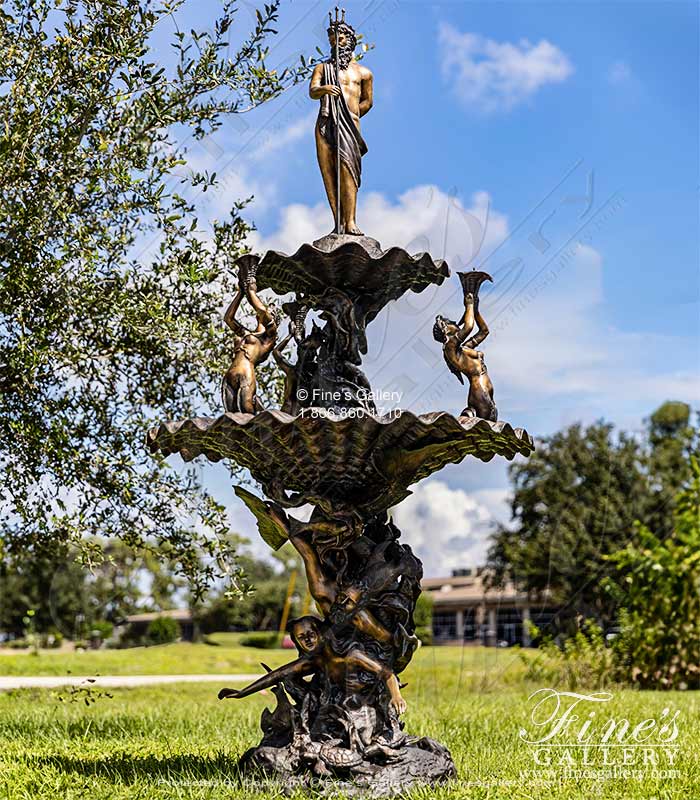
606, 526
577, 500
72, 598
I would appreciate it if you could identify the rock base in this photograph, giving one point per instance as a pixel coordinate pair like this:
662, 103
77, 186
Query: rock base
419, 761
332, 241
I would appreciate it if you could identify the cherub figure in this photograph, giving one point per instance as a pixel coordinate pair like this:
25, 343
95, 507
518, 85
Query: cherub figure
459, 351
250, 348
330, 597
316, 655
346, 603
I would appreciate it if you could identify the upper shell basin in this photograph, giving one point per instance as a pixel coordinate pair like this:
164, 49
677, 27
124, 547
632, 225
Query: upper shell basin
355, 265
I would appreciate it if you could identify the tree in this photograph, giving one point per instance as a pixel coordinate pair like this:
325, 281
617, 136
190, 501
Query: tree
261, 609
28, 584
575, 500
111, 289
657, 583
72, 597
423, 617
672, 442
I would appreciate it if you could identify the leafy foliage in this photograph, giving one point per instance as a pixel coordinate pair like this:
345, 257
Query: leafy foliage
672, 441
261, 609
658, 586
263, 641
70, 599
111, 289
583, 661
576, 501
423, 617
162, 630
27, 585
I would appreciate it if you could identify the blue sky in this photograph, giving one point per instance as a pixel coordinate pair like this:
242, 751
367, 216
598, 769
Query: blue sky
554, 144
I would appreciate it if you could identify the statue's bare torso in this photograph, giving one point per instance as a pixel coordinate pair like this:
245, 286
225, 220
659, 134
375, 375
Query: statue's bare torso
352, 82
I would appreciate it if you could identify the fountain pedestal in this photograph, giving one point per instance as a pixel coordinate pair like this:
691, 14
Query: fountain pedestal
337, 718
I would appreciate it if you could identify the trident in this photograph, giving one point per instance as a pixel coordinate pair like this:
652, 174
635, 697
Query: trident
338, 20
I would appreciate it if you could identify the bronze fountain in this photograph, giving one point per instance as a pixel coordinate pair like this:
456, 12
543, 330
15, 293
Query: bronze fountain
337, 723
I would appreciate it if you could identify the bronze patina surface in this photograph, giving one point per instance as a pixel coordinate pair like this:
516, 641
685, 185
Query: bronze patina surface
250, 348
363, 461
351, 264
345, 90
337, 722
339, 705
459, 348
349, 280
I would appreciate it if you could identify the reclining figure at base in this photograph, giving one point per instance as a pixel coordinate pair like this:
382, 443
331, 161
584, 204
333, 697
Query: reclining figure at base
316, 655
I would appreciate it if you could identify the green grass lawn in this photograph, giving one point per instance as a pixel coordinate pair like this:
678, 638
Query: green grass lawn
223, 655
181, 742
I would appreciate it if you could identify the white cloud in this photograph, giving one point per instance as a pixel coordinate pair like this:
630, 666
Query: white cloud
299, 223
239, 173
448, 528
423, 219
235, 181
554, 353
497, 76
547, 339
560, 343
281, 138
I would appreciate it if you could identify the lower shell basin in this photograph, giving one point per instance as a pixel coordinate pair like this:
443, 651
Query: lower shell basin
362, 462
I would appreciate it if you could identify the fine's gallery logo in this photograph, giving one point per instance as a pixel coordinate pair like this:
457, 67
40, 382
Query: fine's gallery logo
332, 403
576, 733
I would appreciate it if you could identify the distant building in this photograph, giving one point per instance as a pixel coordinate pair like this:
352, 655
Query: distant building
465, 612
138, 623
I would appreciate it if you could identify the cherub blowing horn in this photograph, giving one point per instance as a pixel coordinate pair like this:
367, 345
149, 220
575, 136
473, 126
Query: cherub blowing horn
459, 351
250, 348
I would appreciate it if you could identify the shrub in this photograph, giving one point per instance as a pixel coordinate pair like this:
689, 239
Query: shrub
582, 662
425, 634
423, 613
103, 627
265, 641
52, 639
423, 618
658, 588
162, 630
